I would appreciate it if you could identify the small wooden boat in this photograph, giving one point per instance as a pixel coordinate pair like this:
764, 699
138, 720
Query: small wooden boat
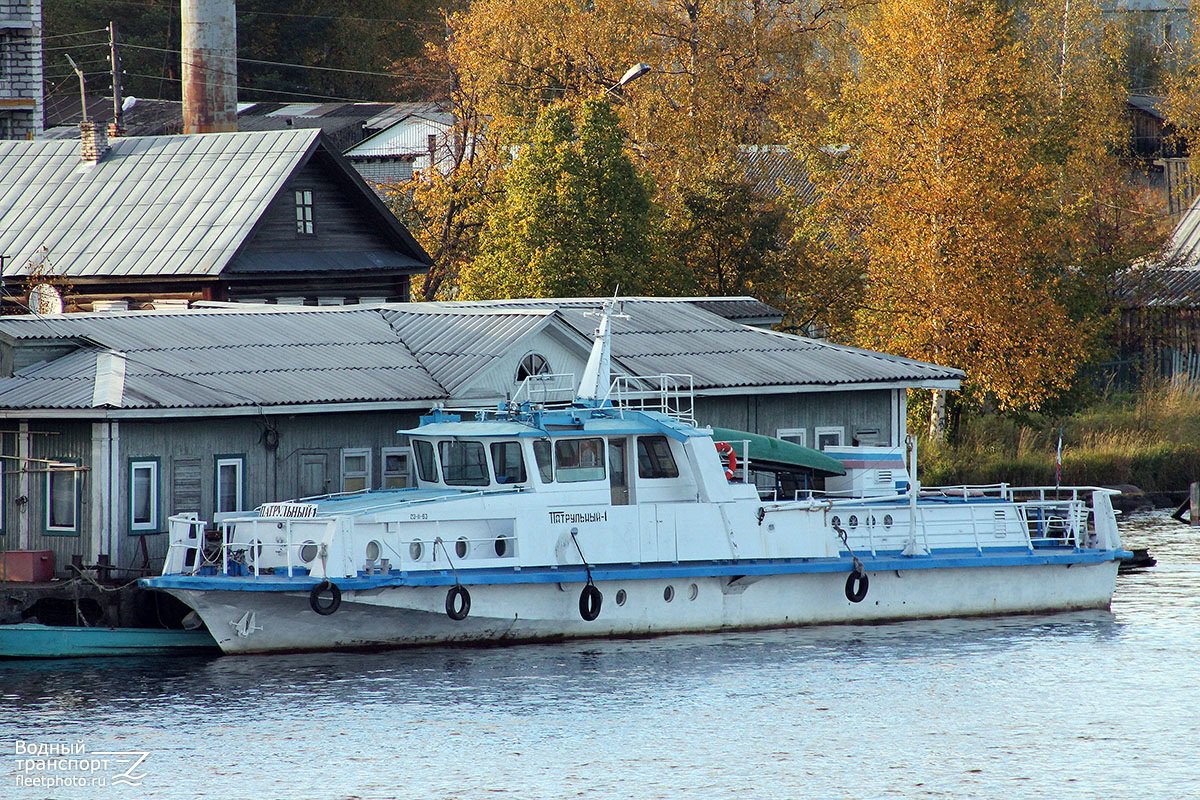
32, 640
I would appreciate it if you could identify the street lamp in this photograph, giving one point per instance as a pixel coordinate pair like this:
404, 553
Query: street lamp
631, 75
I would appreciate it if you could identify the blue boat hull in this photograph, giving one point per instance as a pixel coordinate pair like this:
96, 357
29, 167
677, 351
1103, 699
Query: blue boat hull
30, 640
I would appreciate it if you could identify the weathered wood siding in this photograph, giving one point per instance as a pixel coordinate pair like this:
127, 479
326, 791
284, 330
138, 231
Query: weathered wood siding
24, 490
276, 464
857, 413
341, 226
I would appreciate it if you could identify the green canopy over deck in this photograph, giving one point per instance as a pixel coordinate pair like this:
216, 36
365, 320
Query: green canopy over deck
771, 454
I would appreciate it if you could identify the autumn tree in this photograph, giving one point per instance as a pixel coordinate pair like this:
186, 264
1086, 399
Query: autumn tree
575, 215
935, 197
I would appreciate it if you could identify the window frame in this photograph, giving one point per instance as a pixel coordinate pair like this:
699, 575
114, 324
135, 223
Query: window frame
62, 530
655, 461
827, 430
429, 448
409, 465
567, 474
797, 433
365, 453
226, 459
529, 372
154, 525
444, 447
514, 444
306, 214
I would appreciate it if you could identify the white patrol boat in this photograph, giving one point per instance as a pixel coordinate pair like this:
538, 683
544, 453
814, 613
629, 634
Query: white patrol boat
607, 518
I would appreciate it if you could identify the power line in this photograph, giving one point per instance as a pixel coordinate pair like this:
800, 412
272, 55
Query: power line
268, 91
278, 63
77, 33
407, 21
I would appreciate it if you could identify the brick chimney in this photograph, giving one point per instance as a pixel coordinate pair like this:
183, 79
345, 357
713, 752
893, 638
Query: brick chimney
95, 141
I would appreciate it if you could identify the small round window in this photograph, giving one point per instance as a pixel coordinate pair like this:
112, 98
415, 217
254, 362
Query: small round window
532, 364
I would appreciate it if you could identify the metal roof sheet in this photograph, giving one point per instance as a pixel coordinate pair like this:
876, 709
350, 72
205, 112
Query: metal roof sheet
278, 355
159, 205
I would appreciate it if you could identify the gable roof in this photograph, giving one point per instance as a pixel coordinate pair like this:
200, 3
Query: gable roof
154, 205
404, 354
680, 335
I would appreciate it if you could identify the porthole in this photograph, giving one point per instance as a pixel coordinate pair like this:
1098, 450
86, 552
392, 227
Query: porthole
501, 546
374, 550
836, 521
308, 551
693, 592
460, 547
621, 597
416, 550
853, 521
669, 593
887, 520
253, 551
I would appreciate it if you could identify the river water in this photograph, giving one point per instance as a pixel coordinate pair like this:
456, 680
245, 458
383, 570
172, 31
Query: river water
1081, 705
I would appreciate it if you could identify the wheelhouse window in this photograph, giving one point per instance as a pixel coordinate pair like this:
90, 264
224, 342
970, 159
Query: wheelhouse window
508, 463
655, 459
397, 469
463, 463
579, 460
545, 460
143, 495
305, 219
62, 498
231, 472
426, 462
356, 469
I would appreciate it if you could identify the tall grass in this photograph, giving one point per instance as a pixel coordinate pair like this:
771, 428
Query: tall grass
1150, 440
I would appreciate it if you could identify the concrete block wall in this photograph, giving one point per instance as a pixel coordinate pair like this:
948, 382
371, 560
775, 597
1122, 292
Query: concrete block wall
21, 68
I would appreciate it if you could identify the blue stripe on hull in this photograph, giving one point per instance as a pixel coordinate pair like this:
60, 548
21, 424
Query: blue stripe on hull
614, 572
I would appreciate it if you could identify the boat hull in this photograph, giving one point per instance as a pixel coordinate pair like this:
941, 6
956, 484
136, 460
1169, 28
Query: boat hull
31, 640
399, 616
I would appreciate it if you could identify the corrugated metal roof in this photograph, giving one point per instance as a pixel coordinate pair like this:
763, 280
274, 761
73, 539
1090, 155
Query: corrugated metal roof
674, 335
158, 205
222, 358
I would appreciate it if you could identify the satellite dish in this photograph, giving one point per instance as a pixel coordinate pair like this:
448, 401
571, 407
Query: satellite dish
44, 299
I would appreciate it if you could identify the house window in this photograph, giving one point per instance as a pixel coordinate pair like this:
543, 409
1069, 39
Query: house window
397, 467
794, 435
356, 469
230, 484
62, 498
143, 495
828, 437
532, 364
304, 212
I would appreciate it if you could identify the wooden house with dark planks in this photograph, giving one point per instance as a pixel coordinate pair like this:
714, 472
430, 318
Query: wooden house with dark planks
161, 221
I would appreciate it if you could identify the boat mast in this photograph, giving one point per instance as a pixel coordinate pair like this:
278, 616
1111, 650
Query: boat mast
597, 375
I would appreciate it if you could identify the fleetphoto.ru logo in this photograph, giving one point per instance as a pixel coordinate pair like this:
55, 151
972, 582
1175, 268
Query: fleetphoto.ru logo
64, 764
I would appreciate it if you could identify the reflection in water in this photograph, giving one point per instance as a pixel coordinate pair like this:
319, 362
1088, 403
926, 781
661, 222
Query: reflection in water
1090, 704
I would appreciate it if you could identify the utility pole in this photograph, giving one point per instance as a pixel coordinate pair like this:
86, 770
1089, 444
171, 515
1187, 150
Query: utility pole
114, 60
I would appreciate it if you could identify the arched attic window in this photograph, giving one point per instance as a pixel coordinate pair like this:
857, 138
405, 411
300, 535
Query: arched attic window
532, 364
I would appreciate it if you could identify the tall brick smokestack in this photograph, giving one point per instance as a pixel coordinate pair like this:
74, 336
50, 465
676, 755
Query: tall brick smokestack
209, 29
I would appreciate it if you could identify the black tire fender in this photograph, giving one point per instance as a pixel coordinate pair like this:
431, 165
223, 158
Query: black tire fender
590, 600
458, 603
335, 598
857, 584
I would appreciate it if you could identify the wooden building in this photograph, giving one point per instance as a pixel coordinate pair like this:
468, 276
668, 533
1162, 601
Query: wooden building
114, 421
150, 222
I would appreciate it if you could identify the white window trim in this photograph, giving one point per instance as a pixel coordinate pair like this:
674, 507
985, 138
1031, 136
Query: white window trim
798, 433
826, 430
355, 452
50, 499
240, 463
396, 451
152, 525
